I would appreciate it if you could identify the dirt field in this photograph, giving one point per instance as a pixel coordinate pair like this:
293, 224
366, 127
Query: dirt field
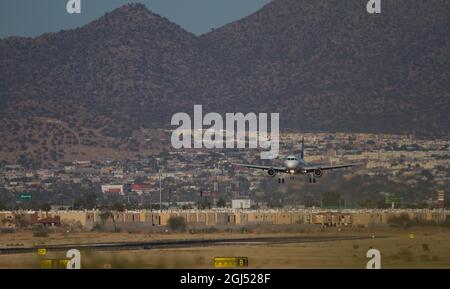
412, 248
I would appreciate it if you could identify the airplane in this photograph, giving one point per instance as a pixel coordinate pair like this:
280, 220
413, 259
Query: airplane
297, 166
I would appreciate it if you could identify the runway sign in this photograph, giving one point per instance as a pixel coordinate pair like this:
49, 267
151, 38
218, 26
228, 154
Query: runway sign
224, 262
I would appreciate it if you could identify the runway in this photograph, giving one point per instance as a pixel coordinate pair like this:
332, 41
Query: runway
185, 243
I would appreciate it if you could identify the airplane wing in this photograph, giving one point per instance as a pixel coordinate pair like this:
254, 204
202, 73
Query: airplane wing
335, 167
325, 168
277, 169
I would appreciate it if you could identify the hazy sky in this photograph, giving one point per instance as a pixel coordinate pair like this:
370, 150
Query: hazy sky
34, 17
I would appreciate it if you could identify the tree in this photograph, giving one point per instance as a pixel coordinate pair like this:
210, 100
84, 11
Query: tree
368, 204
427, 174
310, 202
155, 207
244, 184
88, 200
203, 205
221, 203
177, 223
119, 207
274, 204
403, 220
46, 207
140, 180
20, 220
105, 215
40, 231
331, 199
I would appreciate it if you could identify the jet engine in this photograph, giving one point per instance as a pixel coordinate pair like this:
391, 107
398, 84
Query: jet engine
318, 173
271, 172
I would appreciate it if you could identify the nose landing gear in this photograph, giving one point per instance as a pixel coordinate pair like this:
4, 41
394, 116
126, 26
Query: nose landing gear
281, 180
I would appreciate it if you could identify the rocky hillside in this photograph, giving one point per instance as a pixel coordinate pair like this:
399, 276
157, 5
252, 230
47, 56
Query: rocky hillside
329, 65
323, 64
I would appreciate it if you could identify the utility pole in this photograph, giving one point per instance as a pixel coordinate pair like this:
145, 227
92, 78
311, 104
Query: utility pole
160, 186
160, 192
168, 201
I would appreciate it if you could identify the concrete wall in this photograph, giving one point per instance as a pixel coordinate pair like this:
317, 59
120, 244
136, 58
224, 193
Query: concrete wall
234, 217
86, 218
8, 218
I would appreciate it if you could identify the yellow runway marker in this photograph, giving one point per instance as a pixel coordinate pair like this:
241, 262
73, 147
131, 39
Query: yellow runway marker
224, 262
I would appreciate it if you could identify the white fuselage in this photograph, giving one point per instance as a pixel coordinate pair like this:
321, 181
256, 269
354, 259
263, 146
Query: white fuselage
292, 164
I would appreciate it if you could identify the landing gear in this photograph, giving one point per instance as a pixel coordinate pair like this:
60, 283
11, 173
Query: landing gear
312, 178
281, 180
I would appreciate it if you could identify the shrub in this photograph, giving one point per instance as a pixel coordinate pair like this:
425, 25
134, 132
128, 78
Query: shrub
403, 220
7, 230
245, 230
40, 231
97, 228
177, 224
204, 230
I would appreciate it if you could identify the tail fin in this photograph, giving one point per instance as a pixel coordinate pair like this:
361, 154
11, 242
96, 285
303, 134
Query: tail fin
302, 152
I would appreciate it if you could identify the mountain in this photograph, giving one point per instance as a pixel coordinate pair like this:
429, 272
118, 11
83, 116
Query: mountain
325, 65
329, 65
111, 70
85, 93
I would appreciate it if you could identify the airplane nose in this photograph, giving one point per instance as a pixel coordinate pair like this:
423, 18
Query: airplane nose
291, 164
